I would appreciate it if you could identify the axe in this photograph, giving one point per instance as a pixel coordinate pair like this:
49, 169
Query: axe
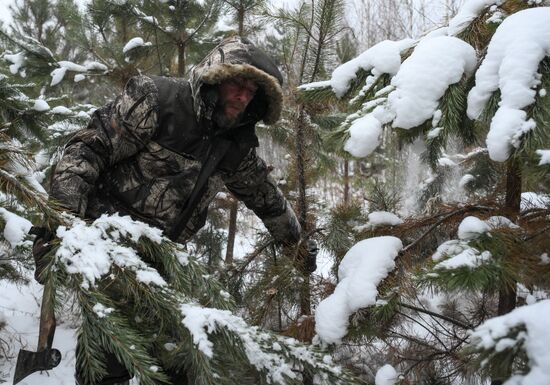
45, 358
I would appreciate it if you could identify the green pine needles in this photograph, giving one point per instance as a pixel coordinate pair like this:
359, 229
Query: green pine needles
148, 303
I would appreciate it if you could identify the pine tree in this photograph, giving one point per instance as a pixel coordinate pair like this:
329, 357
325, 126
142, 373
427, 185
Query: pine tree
501, 254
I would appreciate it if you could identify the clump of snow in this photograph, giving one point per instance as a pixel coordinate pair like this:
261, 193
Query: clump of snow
95, 66
79, 78
18, 60
364, 266
544, 259
498, 222
101, 310
434, 133
134, 43
40, 105
16, 227
90, 250
381, 218
467, 178
471, 228
511, 64
59, 73
544, 156
467, 13
83, 114
170, 346
62, 110
424, 77
436, 118
449, 248
386, 375
469, 258
149, 277
532, 200
70, 66
57, 76
364, 137
445, 162
384, 57
498, 334
314, 85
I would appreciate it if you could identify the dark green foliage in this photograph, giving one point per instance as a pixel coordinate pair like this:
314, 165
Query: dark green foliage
376, 321
454, 122
339, 237
274, 293
486, 174
499, 271
383, 196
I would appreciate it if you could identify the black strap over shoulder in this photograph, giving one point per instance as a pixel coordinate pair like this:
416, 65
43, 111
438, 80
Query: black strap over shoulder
216, 152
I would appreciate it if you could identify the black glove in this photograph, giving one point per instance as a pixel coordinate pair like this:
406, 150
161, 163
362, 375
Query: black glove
307, 256
40, 249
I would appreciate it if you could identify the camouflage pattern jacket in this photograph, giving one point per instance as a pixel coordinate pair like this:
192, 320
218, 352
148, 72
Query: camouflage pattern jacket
142, 153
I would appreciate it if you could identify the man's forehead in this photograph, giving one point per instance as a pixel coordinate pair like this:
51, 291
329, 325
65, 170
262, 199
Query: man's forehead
244, 82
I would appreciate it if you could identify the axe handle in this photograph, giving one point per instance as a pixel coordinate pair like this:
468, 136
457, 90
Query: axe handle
47, 318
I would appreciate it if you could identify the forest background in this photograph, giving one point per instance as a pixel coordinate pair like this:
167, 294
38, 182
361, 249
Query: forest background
416, 155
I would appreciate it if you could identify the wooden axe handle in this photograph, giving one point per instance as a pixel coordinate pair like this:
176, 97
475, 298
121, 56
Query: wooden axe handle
47, 318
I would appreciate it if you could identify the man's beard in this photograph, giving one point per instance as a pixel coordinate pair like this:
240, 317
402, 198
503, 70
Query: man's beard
222, 120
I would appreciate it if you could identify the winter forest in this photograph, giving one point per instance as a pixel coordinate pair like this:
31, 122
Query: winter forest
413, 145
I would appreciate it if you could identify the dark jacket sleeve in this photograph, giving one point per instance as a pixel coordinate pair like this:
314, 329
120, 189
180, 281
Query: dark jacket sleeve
115, 132
252, 184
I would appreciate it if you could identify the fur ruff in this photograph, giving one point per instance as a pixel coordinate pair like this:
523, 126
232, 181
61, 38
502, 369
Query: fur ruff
220, 72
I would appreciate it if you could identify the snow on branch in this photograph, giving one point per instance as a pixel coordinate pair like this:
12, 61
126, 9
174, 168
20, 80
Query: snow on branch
422, 79
364, 266
518, 46
90, 250
134, 43
117, 252
524, 329
384, 57
265, 351
470, 10
544, 156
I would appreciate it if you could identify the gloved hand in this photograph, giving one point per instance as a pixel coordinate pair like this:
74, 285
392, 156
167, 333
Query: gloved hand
308, 256
40, 249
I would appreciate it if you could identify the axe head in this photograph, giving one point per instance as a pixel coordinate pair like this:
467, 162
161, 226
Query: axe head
30, 362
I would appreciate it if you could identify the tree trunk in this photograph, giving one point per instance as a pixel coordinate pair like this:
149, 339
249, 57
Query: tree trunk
300, 169
346, 182
507, 295
240, 16
301, 159
513, 188
181, 57
232, 231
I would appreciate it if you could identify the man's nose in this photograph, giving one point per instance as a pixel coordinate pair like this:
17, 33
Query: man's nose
244, 95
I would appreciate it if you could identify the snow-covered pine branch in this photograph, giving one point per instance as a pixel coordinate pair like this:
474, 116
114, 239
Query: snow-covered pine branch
116, 260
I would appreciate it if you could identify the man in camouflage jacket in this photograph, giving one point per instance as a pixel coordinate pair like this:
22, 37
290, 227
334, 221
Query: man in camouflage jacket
162, 150
142, 154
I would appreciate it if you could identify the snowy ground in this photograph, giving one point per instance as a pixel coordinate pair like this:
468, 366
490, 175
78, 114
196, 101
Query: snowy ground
20, 308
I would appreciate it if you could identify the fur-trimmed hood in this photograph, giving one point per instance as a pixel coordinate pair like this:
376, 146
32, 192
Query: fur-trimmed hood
237, 56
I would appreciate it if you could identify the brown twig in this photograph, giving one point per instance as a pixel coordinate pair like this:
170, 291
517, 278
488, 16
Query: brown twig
436, 315
445, 218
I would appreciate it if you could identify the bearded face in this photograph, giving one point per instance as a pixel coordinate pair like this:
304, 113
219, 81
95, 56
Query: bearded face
234, 95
